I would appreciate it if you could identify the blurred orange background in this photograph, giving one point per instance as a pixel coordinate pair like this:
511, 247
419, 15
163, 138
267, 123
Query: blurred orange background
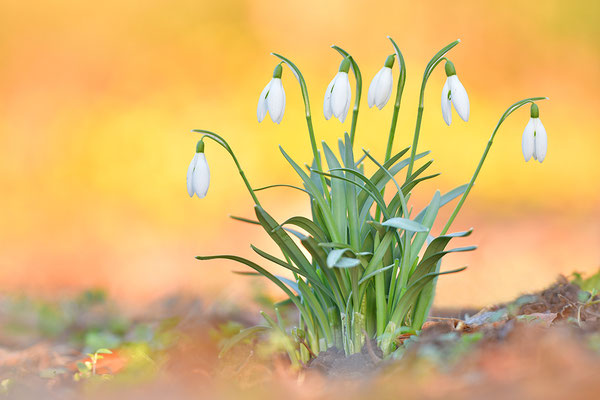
97, 100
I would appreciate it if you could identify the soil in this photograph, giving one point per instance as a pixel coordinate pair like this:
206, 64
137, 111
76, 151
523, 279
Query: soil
543, 345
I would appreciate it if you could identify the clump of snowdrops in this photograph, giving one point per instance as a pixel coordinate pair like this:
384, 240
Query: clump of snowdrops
360, 267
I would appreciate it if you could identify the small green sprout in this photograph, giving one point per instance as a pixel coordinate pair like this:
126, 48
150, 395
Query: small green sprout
87, 369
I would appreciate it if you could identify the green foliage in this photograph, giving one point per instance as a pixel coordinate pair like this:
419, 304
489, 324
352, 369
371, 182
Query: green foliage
363, 265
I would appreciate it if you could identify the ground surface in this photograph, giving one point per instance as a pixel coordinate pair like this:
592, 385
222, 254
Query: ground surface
542, 345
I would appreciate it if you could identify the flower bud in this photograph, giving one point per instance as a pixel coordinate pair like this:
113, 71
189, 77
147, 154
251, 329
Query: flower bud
450, 70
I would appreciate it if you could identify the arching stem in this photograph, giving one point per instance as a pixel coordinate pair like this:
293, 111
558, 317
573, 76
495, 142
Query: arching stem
509, 111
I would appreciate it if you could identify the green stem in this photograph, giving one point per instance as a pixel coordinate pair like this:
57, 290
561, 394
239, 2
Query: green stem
509, 111
399, 90
311, 133
434, 62
226, 146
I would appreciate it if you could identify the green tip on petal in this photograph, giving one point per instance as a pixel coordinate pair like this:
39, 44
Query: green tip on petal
450, 70
277, 71
389, 62
345, 65
200, 146
535, 111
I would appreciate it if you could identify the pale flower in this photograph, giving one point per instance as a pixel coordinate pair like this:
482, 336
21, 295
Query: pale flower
338, 94
535, 140
454, 92
272, 98
198, 174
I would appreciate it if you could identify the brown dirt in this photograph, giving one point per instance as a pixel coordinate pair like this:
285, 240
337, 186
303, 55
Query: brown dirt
541, 346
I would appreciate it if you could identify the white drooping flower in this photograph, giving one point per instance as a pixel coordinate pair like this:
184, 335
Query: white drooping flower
454, 92
338, 94
198, 174
272, 98
535, 140
381, 85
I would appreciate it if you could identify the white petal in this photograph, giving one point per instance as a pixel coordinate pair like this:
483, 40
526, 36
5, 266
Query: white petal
373, 88
459, 97
276, 100
384, 87
327, 101
527, 143
340, 94
541, 140
189, 179
201, 176
446, 109
347, 106
261, 110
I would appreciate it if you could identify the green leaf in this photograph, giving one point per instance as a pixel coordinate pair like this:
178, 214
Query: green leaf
276, 260
283, 185
408, 299
428, 264
428, 221
312, 188
241, 336
267, 275
103, 351
405, 224
445, 199
308, 225
283, 240
335, 255
338, 193
312, 278
346, 262
373, 273
242, 219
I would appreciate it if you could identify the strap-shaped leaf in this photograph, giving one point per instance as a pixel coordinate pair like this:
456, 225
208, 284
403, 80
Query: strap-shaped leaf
409, 297
338, 192
283, 185
347, 262
277, 261
405, 224
320, 257
325, 210
336, 255
445, 199
374, 195
428, 265
242, 219
439, 243
285, 243
354, 224
241, 336
308, 225
373, 273
267, 275
428, 220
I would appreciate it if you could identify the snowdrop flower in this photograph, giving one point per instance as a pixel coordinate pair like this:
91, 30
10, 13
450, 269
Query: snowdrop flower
454, 92
272, 98
198, 174
535, 141
338, 94
381, 86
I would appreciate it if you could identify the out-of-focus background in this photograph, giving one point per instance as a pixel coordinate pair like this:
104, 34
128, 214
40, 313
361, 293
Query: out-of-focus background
97, 101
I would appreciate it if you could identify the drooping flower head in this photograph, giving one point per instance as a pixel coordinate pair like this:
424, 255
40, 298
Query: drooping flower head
454, 93
272, 98
198, 174
338, 94
535, 140
381, 85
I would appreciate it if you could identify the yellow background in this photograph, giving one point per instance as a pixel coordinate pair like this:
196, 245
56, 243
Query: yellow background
97, 100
